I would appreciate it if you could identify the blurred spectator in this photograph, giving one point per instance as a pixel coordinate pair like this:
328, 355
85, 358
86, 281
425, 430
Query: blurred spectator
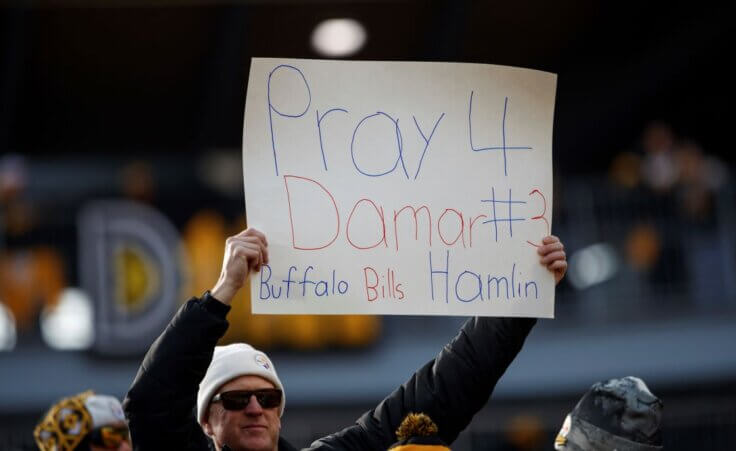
17, 215
30, 280
643, 247
659, 169
618, 414
625, 170
138, 182
673, 231
525, 433
222, 171
86, 421
13, 176
700, 179
31, 276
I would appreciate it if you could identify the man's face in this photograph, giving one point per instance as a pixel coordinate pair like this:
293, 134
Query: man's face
250, 429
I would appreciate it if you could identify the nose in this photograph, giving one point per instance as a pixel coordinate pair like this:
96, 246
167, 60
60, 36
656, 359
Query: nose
253, 407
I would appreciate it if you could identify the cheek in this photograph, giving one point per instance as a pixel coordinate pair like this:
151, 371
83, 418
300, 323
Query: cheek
276, 422
218, 420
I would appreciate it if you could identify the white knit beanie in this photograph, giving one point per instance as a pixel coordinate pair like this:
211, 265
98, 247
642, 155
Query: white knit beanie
229, 362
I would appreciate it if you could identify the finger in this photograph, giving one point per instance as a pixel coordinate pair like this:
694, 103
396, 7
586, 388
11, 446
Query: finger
557, 265
250, 237
547, 248
255, 232
261, 258
264, 255
250, 252
550, 239
553, 256
256, 260
253, 241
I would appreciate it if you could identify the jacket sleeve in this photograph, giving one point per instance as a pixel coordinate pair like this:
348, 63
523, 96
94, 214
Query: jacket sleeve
451, 388
160, 405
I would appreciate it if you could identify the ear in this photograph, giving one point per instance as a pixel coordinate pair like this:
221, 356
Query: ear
206, 426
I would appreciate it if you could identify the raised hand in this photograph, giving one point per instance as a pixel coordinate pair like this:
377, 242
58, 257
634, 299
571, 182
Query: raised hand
552, 255
246, 251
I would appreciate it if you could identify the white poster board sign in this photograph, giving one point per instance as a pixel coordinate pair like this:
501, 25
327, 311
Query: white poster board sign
399, 187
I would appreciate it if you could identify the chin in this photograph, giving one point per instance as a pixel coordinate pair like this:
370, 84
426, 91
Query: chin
251, 443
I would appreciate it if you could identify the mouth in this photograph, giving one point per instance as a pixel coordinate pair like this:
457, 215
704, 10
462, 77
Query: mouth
252, 427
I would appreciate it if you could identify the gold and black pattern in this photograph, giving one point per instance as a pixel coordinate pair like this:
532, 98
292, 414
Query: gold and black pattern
65, 425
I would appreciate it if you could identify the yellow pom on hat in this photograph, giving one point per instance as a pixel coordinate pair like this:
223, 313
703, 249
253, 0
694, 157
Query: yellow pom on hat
417, 432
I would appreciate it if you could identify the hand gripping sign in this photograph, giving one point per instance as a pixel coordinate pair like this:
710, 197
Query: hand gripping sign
399, 187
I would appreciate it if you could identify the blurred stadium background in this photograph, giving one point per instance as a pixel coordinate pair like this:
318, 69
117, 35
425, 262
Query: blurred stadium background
120, 177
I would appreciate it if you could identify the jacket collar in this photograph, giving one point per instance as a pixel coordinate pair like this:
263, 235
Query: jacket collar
285, 446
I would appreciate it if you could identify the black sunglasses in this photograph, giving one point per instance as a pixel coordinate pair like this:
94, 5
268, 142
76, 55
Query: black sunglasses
268, 398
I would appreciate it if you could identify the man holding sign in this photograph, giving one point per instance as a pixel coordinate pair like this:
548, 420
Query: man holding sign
385, 188
239, 398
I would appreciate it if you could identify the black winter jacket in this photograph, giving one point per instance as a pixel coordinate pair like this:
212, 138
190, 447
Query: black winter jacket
451, 388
